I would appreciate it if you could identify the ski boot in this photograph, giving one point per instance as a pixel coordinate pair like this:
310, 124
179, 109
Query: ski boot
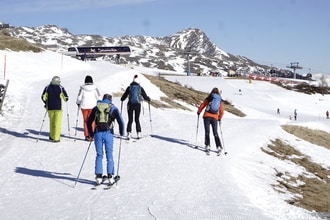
219, 149
98, 179
207, 149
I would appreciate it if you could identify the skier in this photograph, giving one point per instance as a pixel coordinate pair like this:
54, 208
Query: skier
295, 114
86, 100
327, 114
104, 114
213, 113
52, 96
134, 91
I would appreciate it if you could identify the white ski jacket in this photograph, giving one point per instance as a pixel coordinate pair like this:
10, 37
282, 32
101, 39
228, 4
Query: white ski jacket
88, 96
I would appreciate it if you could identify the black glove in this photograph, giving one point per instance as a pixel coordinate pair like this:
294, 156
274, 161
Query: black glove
89, 138
91, 135
198, 113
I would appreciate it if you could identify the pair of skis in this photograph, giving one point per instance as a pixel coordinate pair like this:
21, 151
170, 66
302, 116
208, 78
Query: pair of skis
108, 185
208, 151
134, 139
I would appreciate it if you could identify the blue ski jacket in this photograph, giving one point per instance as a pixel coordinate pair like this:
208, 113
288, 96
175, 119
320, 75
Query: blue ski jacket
114, 115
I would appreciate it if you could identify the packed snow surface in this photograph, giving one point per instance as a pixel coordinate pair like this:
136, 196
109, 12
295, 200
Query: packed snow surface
162, 175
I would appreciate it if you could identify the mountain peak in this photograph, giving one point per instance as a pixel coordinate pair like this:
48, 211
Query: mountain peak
194, 39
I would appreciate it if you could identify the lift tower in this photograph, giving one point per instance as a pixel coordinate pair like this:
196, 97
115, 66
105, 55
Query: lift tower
187, 52
294, 66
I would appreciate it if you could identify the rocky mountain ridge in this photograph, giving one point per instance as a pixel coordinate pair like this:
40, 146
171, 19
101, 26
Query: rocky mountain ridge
169, 52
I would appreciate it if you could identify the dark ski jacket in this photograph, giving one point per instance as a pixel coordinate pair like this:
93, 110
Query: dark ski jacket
52, 96
127, 91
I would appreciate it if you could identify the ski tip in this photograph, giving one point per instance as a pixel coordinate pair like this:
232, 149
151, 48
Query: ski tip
95, 187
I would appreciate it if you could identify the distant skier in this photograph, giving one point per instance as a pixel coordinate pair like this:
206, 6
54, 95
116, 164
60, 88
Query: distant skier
52, 96
327, 114
214, 110
278, 111
295, 114
135, 92
86, 100
104, 114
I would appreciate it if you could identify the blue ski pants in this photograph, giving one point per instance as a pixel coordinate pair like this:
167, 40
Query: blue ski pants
104, 138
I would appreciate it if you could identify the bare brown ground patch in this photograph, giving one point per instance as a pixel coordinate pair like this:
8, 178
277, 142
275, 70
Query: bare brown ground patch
16, 44
177, 92
315, 190
313, 136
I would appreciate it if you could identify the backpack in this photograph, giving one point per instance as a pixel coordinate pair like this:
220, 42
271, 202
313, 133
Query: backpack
102, 116
213, 106
135, 94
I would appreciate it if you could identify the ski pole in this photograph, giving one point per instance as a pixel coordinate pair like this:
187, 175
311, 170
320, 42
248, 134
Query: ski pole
67, 110
223, 143
82, 164
43, 120
75, 133
117, 175
197, 128
150, 117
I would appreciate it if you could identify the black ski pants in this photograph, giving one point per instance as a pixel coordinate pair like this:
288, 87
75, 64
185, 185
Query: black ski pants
133, 109
213, 122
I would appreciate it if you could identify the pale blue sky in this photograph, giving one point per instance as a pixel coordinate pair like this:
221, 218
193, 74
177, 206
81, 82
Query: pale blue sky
271, 32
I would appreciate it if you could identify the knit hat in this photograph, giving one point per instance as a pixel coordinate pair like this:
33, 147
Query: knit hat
107, 96
56, 80
88, 80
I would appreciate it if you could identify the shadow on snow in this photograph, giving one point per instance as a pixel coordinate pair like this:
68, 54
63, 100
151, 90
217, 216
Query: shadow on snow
52, 175
36, 134
179, 141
